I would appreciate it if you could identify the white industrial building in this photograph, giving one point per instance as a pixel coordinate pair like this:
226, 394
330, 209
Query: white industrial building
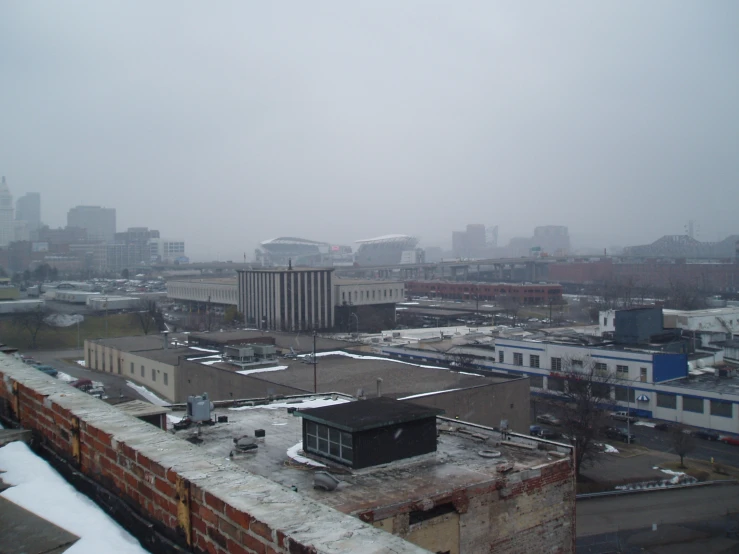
216, 291
167, 250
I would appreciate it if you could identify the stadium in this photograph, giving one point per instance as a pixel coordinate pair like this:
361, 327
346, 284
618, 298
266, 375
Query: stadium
303, 252
387, 250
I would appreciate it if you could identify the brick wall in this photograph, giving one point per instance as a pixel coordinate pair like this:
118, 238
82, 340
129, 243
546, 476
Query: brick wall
190, 498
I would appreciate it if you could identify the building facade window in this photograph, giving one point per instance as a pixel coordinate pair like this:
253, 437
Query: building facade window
536, 381
533, 360
692, 404
153, 374
555, 384
143, 371
329, 442
722, 408
643, 375
625, 394
132, 370
557, 364
501, 356
667, 401
622, 371
517, 358
165, 378
601, 367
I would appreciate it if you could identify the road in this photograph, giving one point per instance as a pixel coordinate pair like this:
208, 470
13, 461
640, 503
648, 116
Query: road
659, 440
636, 511
115, 386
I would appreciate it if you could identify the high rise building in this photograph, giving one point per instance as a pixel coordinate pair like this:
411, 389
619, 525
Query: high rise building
98, 222
28, 209
7, 229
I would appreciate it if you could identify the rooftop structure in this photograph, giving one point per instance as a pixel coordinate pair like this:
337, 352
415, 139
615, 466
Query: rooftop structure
685, 246
450, 497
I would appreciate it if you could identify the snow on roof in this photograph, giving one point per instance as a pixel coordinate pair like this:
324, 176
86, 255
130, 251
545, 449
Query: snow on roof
37, 488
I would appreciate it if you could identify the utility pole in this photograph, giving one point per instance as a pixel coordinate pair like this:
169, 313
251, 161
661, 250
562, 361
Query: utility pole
315, 370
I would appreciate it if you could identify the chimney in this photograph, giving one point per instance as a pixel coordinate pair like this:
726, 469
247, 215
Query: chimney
165, 334
379, 386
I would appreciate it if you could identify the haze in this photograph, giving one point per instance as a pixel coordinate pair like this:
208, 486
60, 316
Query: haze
228, 123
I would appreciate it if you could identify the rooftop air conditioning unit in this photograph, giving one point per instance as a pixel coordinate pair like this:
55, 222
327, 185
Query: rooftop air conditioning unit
199, 408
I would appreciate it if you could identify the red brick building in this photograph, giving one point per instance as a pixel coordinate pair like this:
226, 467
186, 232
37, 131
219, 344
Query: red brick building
527, 293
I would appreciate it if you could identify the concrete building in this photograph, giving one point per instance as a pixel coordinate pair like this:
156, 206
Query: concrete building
527, 293
28, 209
167, 250
471, 242
287, 299
282, 251
206, 363
100, 223
224, 291
6, 215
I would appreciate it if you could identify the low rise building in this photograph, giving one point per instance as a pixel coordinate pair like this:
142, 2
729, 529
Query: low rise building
445, 485
217, 291
526, 293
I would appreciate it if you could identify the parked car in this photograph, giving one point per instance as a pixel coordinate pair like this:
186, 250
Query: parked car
82, 384
623, 416
46, 369
620, 434
549, 419
663, 426
706, 435
542, 432
730, 440
534, 430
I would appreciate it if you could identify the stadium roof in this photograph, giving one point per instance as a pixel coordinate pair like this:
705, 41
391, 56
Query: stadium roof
292, 240
389, 239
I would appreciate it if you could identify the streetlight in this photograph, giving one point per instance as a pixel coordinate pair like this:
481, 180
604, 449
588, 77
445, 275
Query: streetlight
315, 371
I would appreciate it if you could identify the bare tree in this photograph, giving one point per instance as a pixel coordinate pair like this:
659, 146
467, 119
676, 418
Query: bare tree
682, 441
460, 360
149, 316
32, 322
587, 391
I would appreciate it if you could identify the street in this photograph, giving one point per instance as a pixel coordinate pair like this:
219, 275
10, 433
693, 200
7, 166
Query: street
636, 511
65, 361
656, 440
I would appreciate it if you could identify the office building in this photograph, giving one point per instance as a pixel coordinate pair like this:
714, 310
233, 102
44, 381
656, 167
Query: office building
28, 209
100, 223
7, 230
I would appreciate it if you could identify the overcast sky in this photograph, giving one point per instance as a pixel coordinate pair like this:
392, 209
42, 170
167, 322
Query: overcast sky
227, 123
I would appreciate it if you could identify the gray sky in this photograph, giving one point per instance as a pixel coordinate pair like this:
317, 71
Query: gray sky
226, 123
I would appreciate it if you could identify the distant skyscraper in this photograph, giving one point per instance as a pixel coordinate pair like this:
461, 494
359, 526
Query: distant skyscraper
98, 222
28, 209
6, 214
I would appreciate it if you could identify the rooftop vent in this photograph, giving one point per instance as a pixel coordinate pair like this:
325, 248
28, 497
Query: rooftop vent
369, 433
199, 408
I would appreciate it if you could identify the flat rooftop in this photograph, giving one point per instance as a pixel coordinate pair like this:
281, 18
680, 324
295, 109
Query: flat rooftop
708, 383
347, 374
300, 342
209, 280
462, 457
347, 281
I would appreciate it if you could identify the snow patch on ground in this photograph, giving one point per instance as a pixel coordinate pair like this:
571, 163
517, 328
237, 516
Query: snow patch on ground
315, 403
608, 449
63, 320
292, 453
199, 349
644, 423
261, 370
65, 377
466, 373
41, 490
150, 396
81, 362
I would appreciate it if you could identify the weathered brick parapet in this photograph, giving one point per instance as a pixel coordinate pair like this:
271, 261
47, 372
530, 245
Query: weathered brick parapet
201, 503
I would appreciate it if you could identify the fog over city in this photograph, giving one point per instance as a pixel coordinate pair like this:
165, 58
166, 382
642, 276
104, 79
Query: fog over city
228, 123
